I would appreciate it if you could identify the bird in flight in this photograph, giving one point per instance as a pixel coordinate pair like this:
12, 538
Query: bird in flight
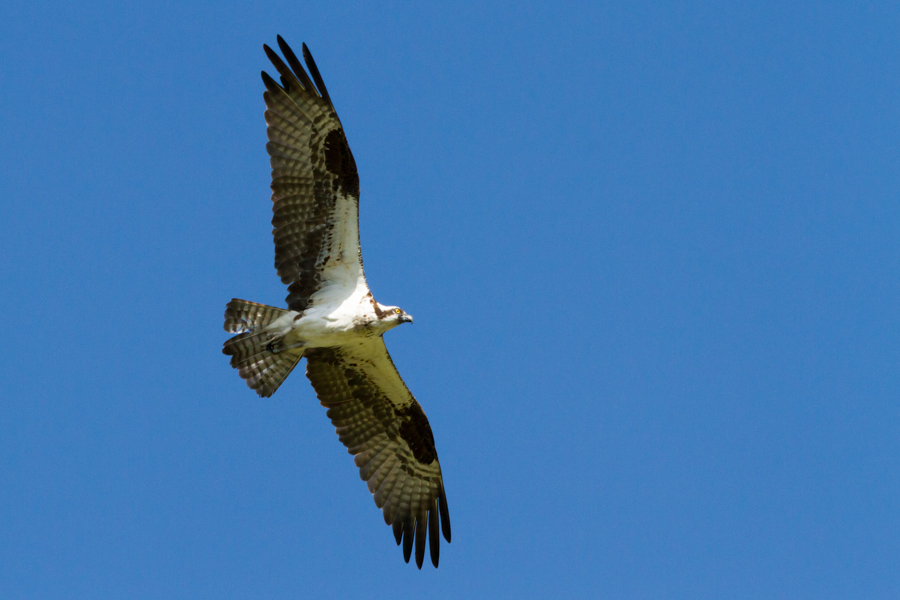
332, 318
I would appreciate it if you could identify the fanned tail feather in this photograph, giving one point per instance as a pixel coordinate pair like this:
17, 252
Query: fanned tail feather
243, 315
263, 370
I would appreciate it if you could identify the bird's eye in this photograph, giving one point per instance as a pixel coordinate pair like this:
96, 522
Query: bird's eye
397, 311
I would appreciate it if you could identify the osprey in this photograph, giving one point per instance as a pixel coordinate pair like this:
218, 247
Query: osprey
332, 318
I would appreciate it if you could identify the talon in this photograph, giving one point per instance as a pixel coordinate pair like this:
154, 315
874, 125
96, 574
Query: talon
270, 347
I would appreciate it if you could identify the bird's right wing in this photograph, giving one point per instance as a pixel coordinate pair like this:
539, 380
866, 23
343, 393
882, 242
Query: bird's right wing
383, 426
315, 186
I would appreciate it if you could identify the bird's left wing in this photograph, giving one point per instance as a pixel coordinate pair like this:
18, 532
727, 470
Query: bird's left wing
315, 186
383, 426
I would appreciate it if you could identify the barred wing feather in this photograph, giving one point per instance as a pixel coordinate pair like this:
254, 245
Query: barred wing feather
315, 186
383, 426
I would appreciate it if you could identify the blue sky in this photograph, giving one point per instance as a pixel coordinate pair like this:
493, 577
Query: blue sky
652, 250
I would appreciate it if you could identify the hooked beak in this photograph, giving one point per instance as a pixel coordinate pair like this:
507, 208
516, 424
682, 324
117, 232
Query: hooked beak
406, 318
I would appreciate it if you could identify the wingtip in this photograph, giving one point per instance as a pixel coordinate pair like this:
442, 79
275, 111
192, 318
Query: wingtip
434, 540
407, 541
420, 541
445, 515
272, 86
284, 46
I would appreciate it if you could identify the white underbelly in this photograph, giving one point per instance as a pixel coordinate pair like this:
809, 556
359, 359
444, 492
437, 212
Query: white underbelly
322, 329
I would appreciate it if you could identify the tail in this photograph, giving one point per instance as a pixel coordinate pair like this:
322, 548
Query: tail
250, 349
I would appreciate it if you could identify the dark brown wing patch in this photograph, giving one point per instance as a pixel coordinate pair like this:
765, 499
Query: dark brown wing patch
416, 432
339, 162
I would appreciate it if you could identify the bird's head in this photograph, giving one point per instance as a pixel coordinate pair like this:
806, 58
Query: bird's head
391, 316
